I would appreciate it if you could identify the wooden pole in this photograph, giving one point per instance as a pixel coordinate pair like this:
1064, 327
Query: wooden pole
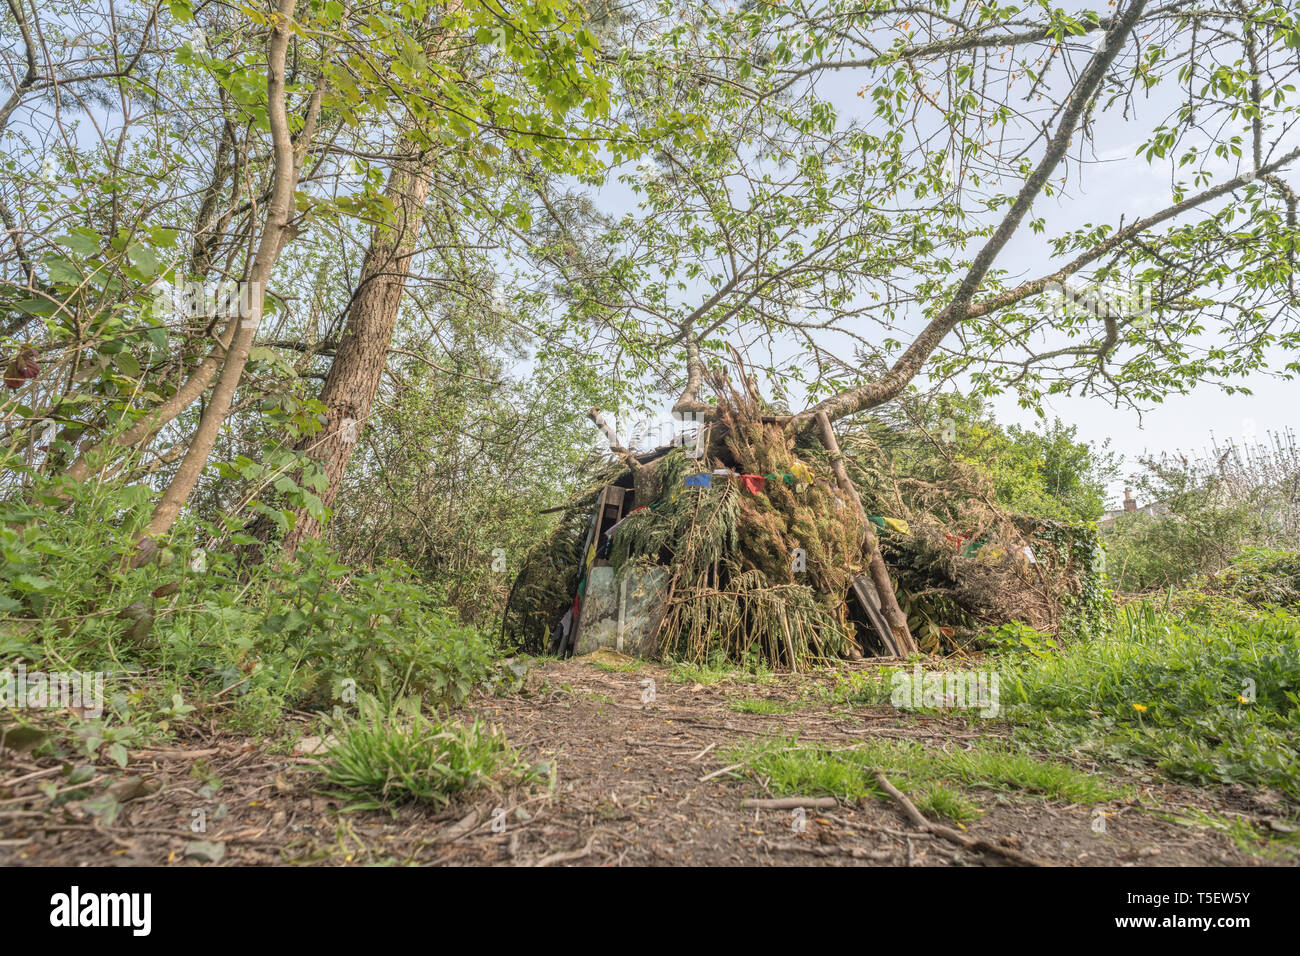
875, 563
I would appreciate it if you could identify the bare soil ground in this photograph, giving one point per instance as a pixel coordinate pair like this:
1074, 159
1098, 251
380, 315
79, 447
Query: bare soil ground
635, 784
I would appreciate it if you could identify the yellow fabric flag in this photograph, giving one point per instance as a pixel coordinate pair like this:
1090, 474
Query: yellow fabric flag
802, 473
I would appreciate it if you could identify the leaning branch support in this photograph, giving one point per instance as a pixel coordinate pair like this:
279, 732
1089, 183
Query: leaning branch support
905, 643
948, 833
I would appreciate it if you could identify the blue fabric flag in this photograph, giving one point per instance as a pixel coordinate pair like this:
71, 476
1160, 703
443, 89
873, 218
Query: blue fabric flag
699, 481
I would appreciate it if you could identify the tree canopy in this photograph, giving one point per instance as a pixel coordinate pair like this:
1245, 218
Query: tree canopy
850, 198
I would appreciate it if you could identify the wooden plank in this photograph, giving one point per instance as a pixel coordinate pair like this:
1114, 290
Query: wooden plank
587, 550
869, 599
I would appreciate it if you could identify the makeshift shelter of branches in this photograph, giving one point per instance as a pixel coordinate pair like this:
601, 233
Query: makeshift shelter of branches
762, 554
755, 574
966, 564
760, 559
551, 569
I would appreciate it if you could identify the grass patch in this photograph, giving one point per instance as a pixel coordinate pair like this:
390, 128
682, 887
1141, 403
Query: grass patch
687, 673
856, 688
615, 668
1003, 769
613, 661
386, 758
937, 800
1249, 839
936, 780
1204, 699
758, 705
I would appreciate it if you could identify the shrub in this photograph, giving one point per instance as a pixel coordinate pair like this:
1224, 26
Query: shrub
386, 757
254, 638
1213, 508
1258, 578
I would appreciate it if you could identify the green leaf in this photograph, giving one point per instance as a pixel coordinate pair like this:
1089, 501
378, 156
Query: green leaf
62, 270
22, 739
105, 806
127, 364
84, 242
163, 238
143, 259
117, 753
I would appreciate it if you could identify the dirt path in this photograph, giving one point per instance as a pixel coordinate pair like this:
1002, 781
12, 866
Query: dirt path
636, 783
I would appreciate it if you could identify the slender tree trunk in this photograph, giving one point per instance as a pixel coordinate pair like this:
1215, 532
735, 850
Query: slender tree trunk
167, 412
362, 353
275, 233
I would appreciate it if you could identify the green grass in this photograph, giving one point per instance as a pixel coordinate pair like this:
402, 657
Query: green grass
1005, 769
856, 688
937, 800
1203, 699
686, 673
758, 705
936, 780
1199, 695
1256, 842
615, 666
386, 758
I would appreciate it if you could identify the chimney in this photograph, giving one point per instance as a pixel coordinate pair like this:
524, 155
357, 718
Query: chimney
1129, 503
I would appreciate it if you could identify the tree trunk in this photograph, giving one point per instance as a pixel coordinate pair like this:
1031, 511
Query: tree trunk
362, 353
275, 233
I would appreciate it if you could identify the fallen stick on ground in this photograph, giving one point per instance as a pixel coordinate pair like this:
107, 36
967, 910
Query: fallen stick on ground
189, 754
718, 773
953, 836
790, 803
33, 775
568, 856
855, 853
703, 752
869, 828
